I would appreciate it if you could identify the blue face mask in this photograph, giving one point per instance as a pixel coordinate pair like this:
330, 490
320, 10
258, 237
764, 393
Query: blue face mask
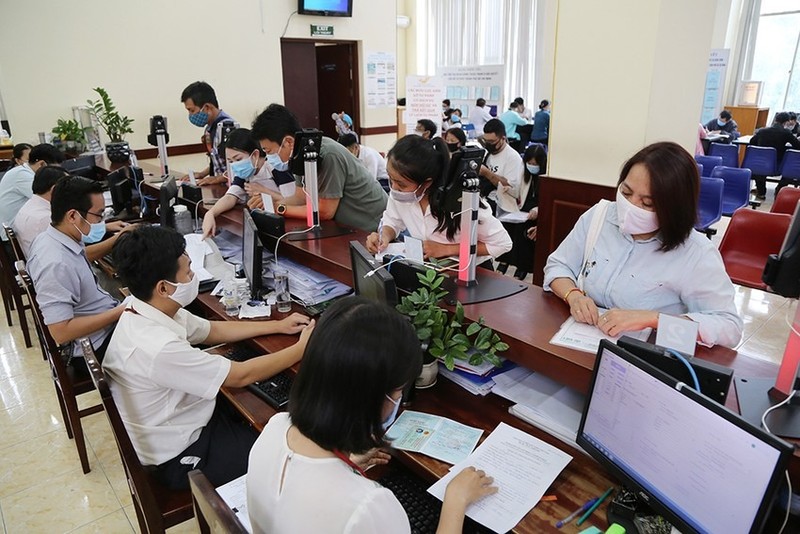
276, 162
455, 118
96, 232
199, 119
720, 123
243, 168
533, 169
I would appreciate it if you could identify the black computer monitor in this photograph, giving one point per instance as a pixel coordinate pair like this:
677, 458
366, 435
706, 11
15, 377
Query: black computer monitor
120, 185
167, 196
782, 272
81, 166
693, 461
377, 286
252, 255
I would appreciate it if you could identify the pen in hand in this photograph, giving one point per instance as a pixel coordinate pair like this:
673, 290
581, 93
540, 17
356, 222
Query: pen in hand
588, 504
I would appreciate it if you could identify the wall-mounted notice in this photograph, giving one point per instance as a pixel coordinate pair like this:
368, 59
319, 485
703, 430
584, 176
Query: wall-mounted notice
715, 84
750, 93
464, 85
381, 80
424, 95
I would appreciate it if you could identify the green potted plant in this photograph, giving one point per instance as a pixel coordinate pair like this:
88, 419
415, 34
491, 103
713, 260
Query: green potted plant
446, 337
113, 124
70, 137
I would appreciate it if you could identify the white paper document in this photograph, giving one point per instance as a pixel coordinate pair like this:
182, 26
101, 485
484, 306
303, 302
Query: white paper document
515, 217
392, 249
523, 467
585, 337
234, 493
437, 437
197, 249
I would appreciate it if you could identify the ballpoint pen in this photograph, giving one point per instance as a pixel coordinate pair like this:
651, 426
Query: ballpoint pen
594, 507
588, 504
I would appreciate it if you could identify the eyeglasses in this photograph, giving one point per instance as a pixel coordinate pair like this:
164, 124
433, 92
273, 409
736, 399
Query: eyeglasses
99, 215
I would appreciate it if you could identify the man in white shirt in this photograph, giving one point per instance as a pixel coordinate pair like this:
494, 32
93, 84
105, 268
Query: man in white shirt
164, 387
503, 170
15, 187
370, 157
479, 116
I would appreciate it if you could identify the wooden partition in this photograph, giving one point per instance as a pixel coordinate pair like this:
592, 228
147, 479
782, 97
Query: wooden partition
561, 203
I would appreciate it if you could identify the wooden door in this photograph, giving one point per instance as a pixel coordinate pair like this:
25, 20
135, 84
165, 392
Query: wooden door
299, 60
337, 80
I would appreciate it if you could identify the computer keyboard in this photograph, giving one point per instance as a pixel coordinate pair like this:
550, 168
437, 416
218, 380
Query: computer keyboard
422, 508
274, 391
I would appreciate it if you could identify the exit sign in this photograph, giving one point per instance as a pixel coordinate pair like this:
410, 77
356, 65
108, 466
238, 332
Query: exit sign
321, 31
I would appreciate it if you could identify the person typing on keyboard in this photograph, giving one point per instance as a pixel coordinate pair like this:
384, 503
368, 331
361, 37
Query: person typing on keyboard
306, 471
164, 387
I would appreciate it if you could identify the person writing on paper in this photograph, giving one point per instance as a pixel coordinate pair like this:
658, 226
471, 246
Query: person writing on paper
251, 176
417, 169
647, 259
307, 468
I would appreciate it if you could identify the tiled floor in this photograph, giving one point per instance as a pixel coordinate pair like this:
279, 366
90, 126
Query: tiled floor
42, 488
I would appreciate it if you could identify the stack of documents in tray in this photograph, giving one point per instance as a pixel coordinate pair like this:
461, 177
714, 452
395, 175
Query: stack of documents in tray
307, 285
542, 402
477, 379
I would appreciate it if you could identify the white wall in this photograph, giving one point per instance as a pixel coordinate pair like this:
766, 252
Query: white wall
627, 73
145, 52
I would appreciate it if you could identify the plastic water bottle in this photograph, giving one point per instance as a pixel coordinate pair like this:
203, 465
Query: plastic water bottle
230, 298
183, 219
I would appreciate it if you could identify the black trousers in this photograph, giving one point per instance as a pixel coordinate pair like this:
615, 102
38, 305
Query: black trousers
221, 452
761, 184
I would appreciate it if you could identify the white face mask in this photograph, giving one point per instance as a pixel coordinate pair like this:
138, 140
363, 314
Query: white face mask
406, 197
634, 220
185, 292
389, 420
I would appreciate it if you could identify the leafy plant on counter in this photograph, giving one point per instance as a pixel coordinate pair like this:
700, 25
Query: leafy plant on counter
104, 110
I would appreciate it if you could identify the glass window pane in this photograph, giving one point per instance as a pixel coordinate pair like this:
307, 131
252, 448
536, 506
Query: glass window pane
772, 61
779, 6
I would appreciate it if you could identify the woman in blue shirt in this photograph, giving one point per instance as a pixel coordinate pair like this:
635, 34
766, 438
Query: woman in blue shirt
541, 123
647, 258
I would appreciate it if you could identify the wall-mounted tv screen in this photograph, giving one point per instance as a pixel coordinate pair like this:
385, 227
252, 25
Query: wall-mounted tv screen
327, 8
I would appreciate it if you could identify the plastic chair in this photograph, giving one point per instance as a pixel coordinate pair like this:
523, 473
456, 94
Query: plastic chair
708, 163
786, 201
700, 169
736, 193
790, 166
761, 160
709, 205
749, 240
157, 507
212, 513
728, 153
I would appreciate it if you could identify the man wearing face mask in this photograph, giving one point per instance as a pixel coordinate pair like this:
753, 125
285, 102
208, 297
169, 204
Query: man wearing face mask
647, 258
164, 387
72, 302
367, 155
503, 167
347, 193
777, 136
724, 124
200, 102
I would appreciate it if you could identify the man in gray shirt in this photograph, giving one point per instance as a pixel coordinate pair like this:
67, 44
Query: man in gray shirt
347, 192
72, 303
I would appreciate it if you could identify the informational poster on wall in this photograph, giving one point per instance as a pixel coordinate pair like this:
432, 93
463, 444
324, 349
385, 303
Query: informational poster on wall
715, 83
381, 80
750, 93
466, 84
424, 95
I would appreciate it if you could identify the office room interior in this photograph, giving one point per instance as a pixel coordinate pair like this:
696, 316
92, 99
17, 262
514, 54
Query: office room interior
619, 75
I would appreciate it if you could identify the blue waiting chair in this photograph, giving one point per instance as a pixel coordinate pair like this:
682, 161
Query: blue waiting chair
728, 153
736, 192
790, 166
762, 160
708, 163
700, 169
709, 205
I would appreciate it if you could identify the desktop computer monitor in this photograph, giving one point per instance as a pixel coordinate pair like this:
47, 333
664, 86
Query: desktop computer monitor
252, 255
782, 272
693, 461
120, 186
167, 196
377, 286
81, 166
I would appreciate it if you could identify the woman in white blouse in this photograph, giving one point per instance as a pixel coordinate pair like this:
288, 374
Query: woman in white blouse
417, 168
648, 259
306, 471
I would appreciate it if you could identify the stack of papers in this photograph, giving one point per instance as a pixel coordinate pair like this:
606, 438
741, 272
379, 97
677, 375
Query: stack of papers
197, 250
475, 384
230, 246
523, 467
586, 338
234, 493
542, 402
307, 285
434, 436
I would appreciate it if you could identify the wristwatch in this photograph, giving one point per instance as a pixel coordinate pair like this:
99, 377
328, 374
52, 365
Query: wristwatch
281, 209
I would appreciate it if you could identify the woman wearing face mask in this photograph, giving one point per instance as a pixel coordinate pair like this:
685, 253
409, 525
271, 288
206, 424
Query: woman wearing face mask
523, 234
417, 167
647, 258
306, 471
251, 176
455, 139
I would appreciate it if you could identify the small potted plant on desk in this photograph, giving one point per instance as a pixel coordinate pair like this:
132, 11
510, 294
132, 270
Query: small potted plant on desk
114, 124
69, 137
443, 336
